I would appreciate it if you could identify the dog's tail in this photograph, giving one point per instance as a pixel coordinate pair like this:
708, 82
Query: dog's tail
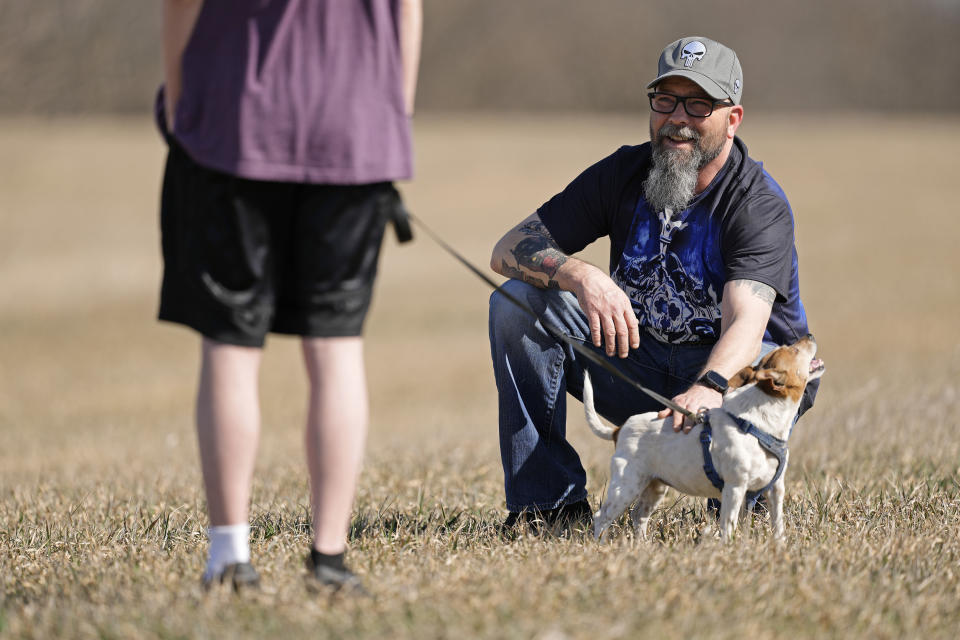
593, 420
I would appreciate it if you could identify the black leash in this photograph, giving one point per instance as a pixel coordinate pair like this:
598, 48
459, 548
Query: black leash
557, 333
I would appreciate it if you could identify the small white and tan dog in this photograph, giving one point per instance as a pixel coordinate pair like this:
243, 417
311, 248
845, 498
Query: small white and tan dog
650, 455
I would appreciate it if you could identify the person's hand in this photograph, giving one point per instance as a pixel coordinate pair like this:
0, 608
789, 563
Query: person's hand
693, 399
613, 324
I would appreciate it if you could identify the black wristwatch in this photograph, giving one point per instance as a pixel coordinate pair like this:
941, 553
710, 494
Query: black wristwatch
715, 381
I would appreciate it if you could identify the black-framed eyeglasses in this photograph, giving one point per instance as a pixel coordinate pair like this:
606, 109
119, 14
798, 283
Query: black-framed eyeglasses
696, 107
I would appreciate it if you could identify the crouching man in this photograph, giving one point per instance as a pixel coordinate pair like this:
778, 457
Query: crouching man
702, 280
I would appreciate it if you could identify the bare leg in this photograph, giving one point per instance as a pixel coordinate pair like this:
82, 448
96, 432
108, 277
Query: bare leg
335, 434
228, 428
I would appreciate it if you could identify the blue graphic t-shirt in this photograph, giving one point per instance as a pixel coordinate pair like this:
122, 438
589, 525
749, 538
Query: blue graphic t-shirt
672, 270
673, 265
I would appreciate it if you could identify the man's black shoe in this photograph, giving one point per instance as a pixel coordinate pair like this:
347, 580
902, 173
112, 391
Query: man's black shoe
567, 516
329, 572
239, 575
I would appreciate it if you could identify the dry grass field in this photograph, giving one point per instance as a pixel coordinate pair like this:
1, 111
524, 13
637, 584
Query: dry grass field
101, 509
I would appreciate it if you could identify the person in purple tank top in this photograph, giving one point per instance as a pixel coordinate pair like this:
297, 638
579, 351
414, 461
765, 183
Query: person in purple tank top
287, 122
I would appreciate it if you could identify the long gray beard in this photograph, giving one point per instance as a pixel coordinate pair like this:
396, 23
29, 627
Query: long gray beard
673, 178
671, 181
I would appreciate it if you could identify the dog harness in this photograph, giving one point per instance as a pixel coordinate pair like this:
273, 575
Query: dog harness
770, 443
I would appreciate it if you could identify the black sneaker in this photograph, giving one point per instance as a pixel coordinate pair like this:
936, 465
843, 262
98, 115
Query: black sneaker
564, 517
336, 577
239, 575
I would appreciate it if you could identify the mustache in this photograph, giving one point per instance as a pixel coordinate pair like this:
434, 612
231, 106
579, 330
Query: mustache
678, 131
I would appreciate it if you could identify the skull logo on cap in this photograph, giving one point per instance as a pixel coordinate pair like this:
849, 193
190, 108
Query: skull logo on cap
693, 52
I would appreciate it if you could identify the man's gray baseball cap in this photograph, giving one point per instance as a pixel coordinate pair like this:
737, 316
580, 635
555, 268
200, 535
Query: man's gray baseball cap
710, 64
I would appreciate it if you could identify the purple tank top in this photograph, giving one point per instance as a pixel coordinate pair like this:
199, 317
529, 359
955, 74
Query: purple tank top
296, 91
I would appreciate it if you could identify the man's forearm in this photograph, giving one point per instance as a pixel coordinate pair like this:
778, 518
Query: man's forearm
745, 311
179, 18
411, 32
528, 252
736, 348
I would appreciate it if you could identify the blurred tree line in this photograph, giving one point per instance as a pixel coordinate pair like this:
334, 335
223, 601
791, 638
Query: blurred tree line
83, 56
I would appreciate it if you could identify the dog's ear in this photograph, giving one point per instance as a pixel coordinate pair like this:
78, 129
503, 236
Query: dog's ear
772, 381
743, 376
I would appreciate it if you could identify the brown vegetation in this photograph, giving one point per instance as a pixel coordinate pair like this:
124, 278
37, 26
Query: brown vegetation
101, 509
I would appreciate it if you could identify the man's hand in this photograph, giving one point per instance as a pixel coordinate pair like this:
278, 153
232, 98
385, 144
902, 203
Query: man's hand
693, 399
609, 312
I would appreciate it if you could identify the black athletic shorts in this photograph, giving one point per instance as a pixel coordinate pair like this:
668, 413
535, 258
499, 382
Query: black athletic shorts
247, 257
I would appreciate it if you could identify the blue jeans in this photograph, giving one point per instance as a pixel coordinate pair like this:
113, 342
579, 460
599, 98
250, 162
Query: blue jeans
534, 371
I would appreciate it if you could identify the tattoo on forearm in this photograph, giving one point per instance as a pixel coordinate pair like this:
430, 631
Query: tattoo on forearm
538, 252
513, 272
534, 228
534, 257
760, 290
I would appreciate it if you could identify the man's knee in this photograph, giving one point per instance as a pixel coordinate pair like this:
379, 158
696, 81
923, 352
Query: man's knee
333, 357
505, 314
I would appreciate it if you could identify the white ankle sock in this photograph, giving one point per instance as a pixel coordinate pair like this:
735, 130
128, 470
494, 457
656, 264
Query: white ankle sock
228, 544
